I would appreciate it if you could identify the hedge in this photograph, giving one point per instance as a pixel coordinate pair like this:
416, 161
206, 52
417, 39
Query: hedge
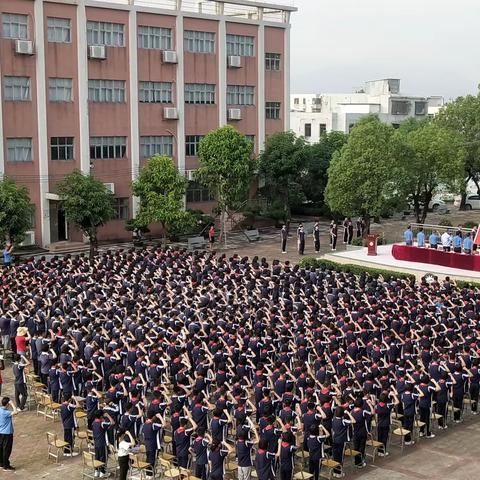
355, 269
466, 284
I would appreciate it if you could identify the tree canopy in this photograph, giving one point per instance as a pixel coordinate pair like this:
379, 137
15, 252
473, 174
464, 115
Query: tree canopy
16, 210
87, 203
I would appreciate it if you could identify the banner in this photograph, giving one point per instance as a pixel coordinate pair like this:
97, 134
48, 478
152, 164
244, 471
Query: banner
476, 241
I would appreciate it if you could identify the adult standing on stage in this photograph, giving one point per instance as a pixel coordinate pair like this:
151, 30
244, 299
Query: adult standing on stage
446, 241
301, 239
457, 242
433, 240
316, 237
420, 238
408, 236
284, 238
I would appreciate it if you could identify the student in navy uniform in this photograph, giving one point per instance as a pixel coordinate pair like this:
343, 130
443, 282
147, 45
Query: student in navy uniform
264, 461
426, 390
100, 428
445, 383
182, 437
384, 412
362, 413
340, 436
475, 385
243, 448
283, 239
460, 376
217, 453
409, 401
315, 442
199, 449
69, 421
20, 380
333, 235
301, 240
151, 430
316, 237
286, 453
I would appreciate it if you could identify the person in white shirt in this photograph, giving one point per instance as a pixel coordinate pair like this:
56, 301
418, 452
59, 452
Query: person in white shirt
126, 446
446, 241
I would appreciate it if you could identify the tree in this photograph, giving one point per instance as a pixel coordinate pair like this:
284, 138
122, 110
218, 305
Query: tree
361, 176
428, 156
226, 169
282, 164
161, 189
318, 158
463, 117
87, 203
16, 210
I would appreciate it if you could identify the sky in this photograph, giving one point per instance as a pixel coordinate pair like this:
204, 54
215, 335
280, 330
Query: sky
433, 46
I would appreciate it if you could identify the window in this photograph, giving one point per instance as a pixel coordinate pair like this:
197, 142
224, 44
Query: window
199, 42
395, 125
198, 193
272, 110
17, 89
108, 147
420, 108
19, 149
272, 61
400, 107
296, 101
154, 37
31, 218
58, 30
112, 91
155, 92
200, 93
323, 129
240, 45
240, 95
105, 33
149, 146
308, 130
60, 89
121, 209
191, 145
61, 148
251, 139
14, 26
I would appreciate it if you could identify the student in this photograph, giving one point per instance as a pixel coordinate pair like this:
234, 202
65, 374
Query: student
199, 449
408, 400
244, 452
151, 438
286, 453
408, 236
7, 255
126, 446
457, 242
341, 422
2, 367
426, 390
69, 421
6, 433
182, 437
361, 413
103, 421
316, 238
264, 461
420, 238
20, 381
217, 453
384, 412
333, 235
301, 240
433, 240
315, 442
283, 239
22, 340
467, 244
349, 231
345, 230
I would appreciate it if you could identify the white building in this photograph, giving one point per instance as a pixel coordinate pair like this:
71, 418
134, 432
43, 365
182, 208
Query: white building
312, 115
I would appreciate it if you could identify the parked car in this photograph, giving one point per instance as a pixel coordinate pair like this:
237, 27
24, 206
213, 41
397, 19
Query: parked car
437, 205
472, 202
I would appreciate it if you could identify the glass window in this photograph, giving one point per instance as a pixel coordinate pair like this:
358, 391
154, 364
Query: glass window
154, 37
191, 145
155, 92
162, 145
242, 45
121, 209
19, 149
17, 89
199, 93
15, 26
420, 108
240, 95
61, 148
400, 107
58, 30
198, 193
199, 42
308, 130
105, 33
272, 61
323, 129
60, 89
112, 91
108, 147
272, 110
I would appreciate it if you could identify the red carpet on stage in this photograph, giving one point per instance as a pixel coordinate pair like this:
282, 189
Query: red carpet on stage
436, 257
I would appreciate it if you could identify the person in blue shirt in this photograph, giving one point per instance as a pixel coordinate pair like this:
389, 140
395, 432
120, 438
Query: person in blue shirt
467, 244
433, 240
7, 255
408, 236
457, 242
6, 433
420, 238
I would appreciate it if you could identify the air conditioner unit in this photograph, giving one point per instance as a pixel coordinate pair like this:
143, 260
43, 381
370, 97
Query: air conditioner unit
234, 114
169, 56
234, 61
97, 51
24, 47
110, 187
29, 239
190, 175
170, 113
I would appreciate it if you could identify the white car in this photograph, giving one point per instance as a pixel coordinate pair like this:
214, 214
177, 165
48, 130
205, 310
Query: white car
472, 202
437, 205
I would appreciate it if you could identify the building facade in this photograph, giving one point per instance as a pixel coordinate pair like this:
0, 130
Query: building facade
312, 115
100, 86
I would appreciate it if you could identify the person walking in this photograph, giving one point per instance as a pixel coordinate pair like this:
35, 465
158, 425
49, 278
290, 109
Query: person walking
284, 238
316, 237
6, 433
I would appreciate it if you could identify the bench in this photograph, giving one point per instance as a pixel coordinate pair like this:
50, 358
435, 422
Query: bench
196, 242
252, 235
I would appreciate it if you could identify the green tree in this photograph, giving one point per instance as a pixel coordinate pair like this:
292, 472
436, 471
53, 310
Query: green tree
318, 158
463, 117
16, 210
361, 176
161, 190
226, 168
428, 157
87, 203
282, 165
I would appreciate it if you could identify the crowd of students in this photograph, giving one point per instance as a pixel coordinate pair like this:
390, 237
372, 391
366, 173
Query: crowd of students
238, 357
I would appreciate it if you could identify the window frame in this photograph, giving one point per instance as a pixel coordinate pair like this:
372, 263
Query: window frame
196, 193
122, 204
191, 146
60, 88
99, 34
198, 41
65, 145
18, 25
240, 45
200, 93
273, 110
28, 147
151, 37
15, 92
307, 126
241, 95
103, 145
106, 91
59, 30
149, 91
155, 144
273, 61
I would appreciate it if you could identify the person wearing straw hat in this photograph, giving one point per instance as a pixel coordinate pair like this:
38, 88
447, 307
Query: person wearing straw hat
21, 340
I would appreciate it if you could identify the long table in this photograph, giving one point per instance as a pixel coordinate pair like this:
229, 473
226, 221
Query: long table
436, 257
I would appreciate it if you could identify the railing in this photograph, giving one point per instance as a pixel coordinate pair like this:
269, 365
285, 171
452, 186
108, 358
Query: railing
429, 227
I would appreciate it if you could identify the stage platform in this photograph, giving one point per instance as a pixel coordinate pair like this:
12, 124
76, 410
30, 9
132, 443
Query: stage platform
384, 259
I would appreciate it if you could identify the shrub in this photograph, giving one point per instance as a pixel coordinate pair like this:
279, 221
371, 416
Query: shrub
445, 222
355, 269
470, 224
465, 284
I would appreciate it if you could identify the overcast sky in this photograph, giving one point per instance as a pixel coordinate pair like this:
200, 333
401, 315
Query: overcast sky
433, 46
